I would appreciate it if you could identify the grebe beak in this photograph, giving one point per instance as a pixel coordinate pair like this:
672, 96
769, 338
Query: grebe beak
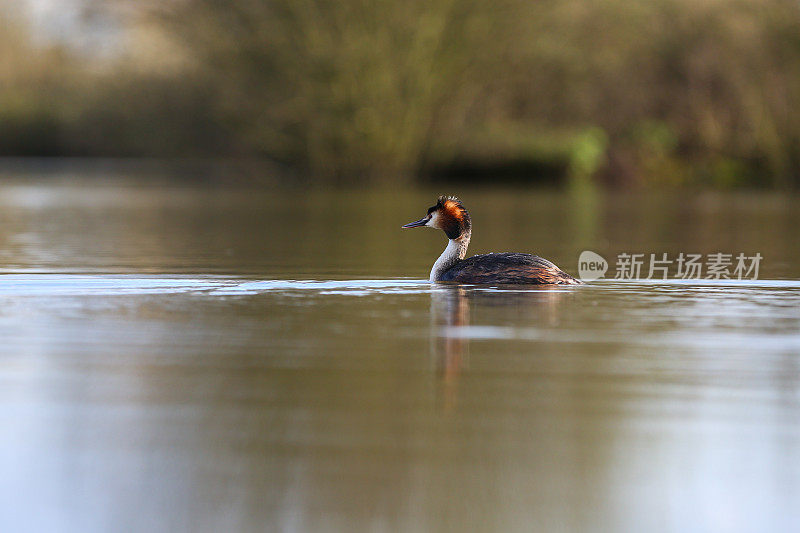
418, 223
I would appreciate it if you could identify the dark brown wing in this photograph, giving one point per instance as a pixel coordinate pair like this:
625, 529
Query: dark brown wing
508, 268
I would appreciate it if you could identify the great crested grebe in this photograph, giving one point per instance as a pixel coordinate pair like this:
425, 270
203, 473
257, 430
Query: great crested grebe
450, 216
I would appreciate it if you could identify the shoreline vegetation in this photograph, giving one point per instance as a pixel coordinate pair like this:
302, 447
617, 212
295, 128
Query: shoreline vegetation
621, 94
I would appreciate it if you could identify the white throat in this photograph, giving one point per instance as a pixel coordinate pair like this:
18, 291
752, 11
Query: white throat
455, 250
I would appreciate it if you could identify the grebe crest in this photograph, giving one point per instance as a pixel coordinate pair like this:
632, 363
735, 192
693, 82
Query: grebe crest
450, 216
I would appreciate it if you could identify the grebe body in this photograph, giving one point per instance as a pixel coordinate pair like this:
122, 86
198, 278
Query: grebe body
450, 216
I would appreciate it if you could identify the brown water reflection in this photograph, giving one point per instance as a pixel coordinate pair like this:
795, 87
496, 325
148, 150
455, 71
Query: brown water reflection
449, 313
450, 323
180, 360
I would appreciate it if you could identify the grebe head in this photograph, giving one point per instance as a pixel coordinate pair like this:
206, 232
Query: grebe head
448, 215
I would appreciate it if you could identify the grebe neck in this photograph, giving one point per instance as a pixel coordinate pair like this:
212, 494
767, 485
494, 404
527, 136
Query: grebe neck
456, 250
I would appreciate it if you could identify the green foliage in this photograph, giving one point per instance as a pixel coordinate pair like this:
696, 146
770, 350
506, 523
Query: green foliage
623, 92
349, 89
28, 128
588, 153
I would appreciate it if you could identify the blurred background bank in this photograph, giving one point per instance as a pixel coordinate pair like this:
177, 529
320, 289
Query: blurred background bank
621, 93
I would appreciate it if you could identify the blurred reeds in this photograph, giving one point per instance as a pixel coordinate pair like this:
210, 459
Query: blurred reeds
622, 92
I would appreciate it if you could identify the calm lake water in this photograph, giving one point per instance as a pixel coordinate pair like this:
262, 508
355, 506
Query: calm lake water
202, 358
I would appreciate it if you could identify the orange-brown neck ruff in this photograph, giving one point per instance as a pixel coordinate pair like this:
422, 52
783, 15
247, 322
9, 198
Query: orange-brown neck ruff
454, 218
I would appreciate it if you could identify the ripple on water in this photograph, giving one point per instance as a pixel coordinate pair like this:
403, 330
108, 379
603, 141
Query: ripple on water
75, 284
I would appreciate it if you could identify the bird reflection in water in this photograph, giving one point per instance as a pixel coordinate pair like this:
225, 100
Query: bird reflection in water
449, 346
451, 329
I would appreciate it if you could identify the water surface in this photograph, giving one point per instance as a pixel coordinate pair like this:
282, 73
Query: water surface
202, 358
